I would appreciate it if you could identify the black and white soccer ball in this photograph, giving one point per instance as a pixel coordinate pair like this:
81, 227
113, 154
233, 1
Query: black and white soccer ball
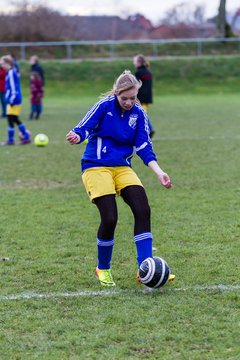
154, 272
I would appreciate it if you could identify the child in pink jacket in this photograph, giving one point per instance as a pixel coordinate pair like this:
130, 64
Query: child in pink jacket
36, 95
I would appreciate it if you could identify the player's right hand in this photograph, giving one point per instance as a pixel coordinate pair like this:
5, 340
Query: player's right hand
73, 138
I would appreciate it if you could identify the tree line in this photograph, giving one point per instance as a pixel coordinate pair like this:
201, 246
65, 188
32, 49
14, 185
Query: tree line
29, 23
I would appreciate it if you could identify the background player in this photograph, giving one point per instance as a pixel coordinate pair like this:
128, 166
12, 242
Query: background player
13, 100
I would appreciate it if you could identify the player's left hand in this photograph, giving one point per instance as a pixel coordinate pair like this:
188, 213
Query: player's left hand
165, 180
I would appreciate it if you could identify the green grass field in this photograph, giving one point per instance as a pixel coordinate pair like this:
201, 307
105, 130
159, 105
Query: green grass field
52, 306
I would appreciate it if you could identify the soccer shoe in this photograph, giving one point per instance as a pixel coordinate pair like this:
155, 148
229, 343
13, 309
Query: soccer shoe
21, 136
171, 277
8, 143
25, 141
105, 277
138, 277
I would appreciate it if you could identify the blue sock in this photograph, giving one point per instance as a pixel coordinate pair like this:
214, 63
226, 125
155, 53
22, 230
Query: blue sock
143, 243
23, 130
11, 134
105, 249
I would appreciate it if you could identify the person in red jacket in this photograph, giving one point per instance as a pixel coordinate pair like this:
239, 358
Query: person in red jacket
36, 95
3, 90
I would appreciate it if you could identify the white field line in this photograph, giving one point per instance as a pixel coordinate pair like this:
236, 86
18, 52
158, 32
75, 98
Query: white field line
30, 296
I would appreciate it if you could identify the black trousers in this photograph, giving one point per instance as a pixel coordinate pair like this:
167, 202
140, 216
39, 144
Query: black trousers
12, 120
136, 198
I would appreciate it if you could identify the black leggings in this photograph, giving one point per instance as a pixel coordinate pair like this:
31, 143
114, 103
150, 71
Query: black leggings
13, 119
135, 196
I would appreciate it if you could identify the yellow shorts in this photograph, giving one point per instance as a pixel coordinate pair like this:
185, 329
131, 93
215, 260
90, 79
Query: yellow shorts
13, 110
145, 107
99, 181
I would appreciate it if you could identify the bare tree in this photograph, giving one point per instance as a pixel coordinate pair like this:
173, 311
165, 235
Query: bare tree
185, 13
223, 27
221, 18
32, 23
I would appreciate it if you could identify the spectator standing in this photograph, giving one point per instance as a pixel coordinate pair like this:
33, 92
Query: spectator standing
13, 101
36, 95
3, 90
15, 64
36, 67
143, 73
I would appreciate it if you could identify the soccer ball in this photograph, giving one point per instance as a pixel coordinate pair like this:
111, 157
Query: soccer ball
154, 272
41, 140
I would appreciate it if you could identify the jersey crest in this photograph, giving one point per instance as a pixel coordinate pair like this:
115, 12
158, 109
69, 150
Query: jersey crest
133, 121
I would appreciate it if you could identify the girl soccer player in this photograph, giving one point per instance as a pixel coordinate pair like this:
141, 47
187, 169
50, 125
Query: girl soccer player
117, 127
13, 100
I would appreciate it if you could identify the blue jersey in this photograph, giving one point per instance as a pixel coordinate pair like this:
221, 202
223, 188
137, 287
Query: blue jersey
13, 89
114, 136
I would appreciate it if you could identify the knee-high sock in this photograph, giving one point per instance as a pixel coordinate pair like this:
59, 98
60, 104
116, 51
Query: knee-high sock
23, 130
143, 243
11, 134
105, 249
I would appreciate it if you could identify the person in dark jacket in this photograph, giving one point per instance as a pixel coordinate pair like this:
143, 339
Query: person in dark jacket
36, 67
143, 73
15, 64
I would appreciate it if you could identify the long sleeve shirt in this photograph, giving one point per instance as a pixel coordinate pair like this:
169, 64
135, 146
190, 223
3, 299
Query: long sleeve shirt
114, 136
13, 88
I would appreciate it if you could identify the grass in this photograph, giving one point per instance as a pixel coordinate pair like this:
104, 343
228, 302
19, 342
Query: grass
171, 76
48, 230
